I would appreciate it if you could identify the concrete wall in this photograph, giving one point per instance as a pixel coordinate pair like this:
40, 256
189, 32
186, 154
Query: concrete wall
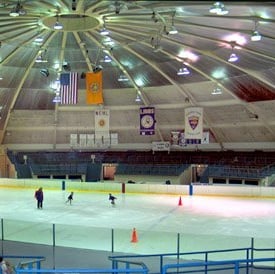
117, 187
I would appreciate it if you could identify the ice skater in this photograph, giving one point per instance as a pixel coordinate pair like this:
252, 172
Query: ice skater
39, 196
112, 199
70, 198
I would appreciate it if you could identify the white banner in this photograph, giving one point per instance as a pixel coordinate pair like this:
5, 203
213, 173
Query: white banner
90, 140
73, 140
102, 117
160, 146
193, 123
82, 140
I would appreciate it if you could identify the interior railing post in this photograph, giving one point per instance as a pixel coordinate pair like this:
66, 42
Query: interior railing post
112, 239
252, 251
53, 246
178, 250
2, 236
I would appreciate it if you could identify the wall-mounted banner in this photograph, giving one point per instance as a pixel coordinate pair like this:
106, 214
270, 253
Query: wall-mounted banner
175, 138
147, 120
73, 140
102, 117
193, 123
204, 140
178, 139
161, 146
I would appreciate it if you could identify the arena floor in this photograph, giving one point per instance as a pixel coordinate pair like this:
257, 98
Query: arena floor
161, 222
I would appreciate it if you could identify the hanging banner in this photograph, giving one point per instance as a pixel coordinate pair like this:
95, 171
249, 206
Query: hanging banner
102, 129
175, 138
193, 123
147, 120
82, 140
102, 120
94, 90
73, 140
178, 139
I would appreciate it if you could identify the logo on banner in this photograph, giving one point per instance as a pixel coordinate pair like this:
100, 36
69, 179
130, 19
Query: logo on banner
193, 121
94, 87
147, 120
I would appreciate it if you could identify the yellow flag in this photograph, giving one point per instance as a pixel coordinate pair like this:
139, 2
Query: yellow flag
94, 91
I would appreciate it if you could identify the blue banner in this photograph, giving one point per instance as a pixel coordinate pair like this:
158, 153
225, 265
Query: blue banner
147, 120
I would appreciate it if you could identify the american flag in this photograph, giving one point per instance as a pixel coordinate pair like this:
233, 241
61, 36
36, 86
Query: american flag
69, 88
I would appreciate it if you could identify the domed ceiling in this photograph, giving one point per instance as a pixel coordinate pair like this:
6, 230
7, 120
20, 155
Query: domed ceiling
146, 45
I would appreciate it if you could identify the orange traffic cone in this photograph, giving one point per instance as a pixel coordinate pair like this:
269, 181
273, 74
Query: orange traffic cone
180, 202
134, 236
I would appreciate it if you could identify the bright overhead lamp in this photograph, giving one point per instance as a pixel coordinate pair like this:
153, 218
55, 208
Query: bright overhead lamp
104, 31
123, 78
57, 25
173, 29
222, 11
17, 10
138, 99
216, 91
38, 39
183, 71
14, 12
107, 59
57, 99
256, 36
41, 59
233, 57
218, 8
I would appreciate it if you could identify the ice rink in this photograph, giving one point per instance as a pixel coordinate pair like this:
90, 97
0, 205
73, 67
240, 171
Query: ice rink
91, 222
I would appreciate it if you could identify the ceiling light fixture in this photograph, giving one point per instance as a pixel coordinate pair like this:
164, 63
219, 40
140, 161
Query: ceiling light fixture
138, 99
57, 98
183, 71
256, 36
107, 59
216, 91
41, 57
233, 56
218, 8
173, 29
123, 78
57, 24
104, 31
39, 39
17, 10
